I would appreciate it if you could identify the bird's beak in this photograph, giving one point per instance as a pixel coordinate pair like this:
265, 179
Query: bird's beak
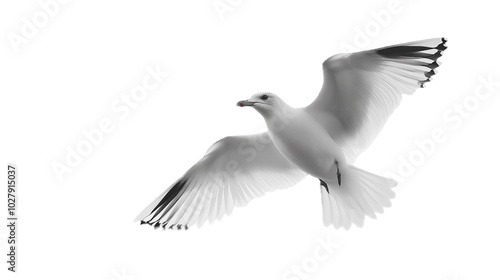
244, 103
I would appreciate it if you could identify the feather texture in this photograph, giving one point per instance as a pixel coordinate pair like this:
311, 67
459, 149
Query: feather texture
234, 171
361, 90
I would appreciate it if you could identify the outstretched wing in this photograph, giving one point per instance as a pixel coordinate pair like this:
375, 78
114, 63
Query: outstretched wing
361, 90
234, 170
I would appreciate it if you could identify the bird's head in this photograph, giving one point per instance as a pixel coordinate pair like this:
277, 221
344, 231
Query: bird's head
265, 103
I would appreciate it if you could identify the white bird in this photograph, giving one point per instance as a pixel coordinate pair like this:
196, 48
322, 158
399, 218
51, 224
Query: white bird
360, 90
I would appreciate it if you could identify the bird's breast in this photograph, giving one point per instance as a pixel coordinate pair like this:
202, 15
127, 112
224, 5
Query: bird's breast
305, 143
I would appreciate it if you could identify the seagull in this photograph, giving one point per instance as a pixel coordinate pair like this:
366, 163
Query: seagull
360, 91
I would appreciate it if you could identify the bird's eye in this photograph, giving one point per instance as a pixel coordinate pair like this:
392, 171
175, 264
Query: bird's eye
264, 97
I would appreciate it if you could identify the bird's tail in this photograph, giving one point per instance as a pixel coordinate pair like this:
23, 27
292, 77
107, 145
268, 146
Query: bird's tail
359, 194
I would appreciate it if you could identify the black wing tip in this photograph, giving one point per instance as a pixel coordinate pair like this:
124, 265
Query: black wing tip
430, 73
413, 51
435, 64
164, 206
166, 203
171, 194
157, 225
176, 227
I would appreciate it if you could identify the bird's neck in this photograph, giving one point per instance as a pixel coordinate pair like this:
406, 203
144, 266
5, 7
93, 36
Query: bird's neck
278, 118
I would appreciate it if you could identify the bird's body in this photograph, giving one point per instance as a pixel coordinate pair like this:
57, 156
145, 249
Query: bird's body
314, 151
360, 91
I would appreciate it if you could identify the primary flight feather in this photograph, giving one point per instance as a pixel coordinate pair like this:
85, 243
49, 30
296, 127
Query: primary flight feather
360, 91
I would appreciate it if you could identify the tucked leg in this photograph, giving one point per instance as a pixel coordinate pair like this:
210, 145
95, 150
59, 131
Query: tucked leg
324, 185
339, 176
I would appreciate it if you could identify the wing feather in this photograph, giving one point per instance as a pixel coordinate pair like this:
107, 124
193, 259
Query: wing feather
361, 90
234, 171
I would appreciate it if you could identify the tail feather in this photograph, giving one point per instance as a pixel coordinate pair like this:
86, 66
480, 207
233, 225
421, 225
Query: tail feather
361, 194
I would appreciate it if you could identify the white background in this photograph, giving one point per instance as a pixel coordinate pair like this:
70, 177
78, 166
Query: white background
443, 224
